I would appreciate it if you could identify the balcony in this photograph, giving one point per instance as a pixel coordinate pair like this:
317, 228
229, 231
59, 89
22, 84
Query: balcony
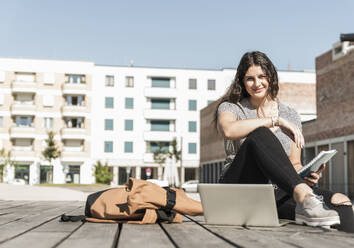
159, 135
23, 86
73, 156
22, 151
74, 88
161, 114
22, 132
74, 133
156, 92
149, 158
23, 108
74, 111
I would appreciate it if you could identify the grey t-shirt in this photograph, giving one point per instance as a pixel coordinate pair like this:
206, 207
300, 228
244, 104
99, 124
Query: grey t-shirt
244, 110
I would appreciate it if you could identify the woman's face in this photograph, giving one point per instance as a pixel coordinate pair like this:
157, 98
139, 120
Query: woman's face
256, 82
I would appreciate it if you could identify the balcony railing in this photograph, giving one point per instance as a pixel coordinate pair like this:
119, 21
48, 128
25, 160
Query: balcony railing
160, 92
23, 86
22, 132
161, 114
159, 135
22, 148
71, 88
25, 108
74, 110
73, 133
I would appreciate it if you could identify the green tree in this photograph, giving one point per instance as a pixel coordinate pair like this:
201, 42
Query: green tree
5, 160
52, 150
102, 173
160, 154
174, 152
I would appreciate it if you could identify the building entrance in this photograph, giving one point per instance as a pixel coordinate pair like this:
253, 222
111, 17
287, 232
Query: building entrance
46, 174
73, 176
22, 172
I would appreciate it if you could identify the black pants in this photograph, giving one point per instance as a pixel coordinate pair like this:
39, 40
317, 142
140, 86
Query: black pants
262, 158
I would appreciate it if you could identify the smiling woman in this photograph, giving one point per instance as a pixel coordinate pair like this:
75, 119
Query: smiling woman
263, 142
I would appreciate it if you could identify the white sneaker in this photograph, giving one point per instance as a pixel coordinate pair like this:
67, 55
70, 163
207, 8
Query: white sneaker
314, 212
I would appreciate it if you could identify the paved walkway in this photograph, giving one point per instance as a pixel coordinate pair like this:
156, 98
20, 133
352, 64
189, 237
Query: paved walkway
39, 193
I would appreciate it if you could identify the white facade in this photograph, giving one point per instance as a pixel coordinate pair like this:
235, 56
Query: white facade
159, 101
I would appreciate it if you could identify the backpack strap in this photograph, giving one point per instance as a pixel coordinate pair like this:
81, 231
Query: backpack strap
72, 218
170, 199
166, 213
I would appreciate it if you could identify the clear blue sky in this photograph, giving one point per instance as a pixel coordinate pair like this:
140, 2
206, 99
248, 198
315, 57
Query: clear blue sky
167, 33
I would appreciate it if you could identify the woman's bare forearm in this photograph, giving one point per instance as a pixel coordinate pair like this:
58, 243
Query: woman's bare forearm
241, 128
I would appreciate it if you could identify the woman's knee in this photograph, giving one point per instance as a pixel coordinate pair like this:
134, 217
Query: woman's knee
340, 199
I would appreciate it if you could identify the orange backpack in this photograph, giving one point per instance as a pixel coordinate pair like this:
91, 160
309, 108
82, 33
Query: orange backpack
139, 202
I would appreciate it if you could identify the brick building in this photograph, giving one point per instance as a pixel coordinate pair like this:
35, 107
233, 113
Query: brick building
296, 89
334, 126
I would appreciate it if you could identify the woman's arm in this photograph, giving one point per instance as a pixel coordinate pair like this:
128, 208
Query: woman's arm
231, 128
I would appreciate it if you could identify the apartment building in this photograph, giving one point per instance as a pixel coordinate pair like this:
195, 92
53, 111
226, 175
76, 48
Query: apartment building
111, 114
134, 108
38, 96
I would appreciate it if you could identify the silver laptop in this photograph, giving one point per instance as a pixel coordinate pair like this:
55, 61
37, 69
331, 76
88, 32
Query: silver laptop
239, 204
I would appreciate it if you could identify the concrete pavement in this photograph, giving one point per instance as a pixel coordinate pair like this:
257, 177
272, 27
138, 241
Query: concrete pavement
39, 193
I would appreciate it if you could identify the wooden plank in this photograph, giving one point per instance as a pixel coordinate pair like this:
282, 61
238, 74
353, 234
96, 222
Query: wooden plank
15, 214
13, 204
193, 235
54, 232
134, 235
281, 237
92, 235
28, 223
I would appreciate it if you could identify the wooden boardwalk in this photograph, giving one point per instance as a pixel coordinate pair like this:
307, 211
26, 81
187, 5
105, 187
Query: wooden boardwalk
36, 224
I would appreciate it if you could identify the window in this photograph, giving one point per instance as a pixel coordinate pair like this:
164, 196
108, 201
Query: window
48, 122
160, 103
129, 103
152, 146
128, 146
109, 102
75, 79
1, 122
160, 82
108, 124
157, 125
129, 82
211, 84
74, 122
109, 82
128, 125
108, 146
24, 121
210, 101
192, 83
192, 126
192, 147
192, 105
74, 100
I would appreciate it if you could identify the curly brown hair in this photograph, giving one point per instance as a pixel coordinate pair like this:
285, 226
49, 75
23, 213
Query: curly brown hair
237, 91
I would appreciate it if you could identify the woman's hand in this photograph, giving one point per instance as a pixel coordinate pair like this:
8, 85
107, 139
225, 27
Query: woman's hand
315, 176
292, 131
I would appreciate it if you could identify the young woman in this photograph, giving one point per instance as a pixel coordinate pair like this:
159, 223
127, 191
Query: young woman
263, 143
